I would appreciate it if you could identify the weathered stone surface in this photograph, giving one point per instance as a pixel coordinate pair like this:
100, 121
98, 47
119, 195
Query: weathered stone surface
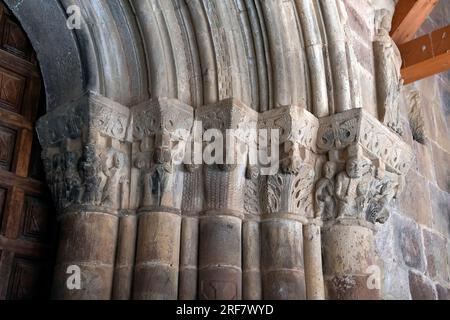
395, 282
350, 287
220, 258
282, 259
443, 292
284, 285
96, 282
349, 250
437, 260
220, 283
312, 253
423, 163
251, 261
187, 289
440, 203
408, 243
441, 159
157, 256
125, 257
421, 287
414, 201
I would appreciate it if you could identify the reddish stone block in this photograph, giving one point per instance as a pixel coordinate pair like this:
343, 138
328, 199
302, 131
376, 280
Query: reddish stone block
421, 288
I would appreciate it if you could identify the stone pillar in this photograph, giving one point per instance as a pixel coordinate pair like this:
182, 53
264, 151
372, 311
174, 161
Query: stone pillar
349, 261
251, 237
287, 203
220, 247
86, 152
126, 249
161, 129
365, 170
312, 249
191, 207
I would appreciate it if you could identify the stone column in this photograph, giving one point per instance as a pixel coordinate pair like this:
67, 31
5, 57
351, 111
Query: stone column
220, 247
126, 249
365, 170
312, 249
251, 237
191, 207
287, 203
161, 129
349, 261
86, 152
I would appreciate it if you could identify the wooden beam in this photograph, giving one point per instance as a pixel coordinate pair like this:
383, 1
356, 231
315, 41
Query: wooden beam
408, 18
426, 56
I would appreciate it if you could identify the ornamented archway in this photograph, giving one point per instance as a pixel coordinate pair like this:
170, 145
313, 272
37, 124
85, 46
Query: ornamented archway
135, 72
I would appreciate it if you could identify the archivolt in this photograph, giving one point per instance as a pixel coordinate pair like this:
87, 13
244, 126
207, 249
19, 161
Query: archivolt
267, 53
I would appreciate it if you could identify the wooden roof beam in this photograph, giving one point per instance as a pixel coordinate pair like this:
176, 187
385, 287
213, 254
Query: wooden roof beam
426, 56
408, 18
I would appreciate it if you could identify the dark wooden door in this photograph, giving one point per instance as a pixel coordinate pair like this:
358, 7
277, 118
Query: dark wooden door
26, 217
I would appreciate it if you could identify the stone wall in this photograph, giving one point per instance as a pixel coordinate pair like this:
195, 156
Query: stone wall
413, 246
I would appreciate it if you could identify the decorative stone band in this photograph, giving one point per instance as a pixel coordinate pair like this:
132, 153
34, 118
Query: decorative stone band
227, 114
296, 125
87, 115
358, 127
162, 116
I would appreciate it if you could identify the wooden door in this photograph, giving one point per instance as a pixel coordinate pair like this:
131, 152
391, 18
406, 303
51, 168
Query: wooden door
26, 217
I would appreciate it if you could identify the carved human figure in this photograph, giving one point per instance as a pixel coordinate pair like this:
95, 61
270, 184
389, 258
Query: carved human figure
158, 177
73, 183
90, 168
116, 178
325, 201
292, 161
377, 208
389, 63
349, 190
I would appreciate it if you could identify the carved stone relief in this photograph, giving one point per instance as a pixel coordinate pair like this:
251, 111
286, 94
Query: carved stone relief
161, 130
365, 171
85, 153
388, 64
290, 189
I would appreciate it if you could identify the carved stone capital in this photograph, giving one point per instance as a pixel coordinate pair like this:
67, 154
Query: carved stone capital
297, 135
86, 154
86, 117
161, 130
366, 167
357, 127
289, 191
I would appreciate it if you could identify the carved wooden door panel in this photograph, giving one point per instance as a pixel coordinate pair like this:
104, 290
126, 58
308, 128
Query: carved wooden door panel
26, 218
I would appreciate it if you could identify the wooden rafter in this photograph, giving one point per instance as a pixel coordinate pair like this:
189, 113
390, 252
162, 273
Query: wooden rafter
409, 17
426, 56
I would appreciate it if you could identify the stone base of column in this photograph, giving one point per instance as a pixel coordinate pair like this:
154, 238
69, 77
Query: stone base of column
88, 242
157, 256
350, 263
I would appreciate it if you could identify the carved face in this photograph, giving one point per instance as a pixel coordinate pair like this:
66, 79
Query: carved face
353, 168
117, 161
329, 170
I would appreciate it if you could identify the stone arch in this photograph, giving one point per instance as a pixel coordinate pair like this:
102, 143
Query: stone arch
59, 51
151, 67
